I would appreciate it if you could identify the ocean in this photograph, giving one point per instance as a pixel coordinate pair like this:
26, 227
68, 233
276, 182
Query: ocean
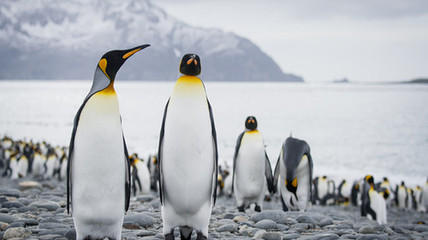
352, 129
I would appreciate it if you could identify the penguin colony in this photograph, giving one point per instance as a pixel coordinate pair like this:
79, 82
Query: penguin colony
101, 175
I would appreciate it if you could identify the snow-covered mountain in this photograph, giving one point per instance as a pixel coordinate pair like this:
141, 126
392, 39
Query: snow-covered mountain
51, 39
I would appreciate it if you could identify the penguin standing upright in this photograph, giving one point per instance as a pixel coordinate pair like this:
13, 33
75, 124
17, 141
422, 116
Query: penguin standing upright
188, 155
425, 195
140, 176
98, 173
344, 193
401, 195
419, 199
320, 190
294, 170
252, 172
373, 203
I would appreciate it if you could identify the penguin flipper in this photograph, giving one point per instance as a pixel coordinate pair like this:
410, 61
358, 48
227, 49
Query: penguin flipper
160, 148
276, 175
214, 136
268, 174
235, 156
127, 175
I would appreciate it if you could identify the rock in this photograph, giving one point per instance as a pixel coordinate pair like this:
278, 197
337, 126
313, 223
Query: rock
277, 216
12, 204
28, 221
305, 219
271, 236
46, 204
266, 224
6, 218
350, 236
71, 234
325, 236
325, 222
141, 219
367, 230
27, 209
30, 184
290, 236
259, 234
18, 232
227, 228
373, 237
421, 228
10, 192
239, 219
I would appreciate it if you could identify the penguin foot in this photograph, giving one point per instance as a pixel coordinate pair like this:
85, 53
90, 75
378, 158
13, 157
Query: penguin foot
241, 208
257, 208
186, 233
200, 236
169, 236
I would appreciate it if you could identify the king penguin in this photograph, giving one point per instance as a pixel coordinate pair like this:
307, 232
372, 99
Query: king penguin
252, 172
373, 202
294, 169
98, 172
401, 196
188, 155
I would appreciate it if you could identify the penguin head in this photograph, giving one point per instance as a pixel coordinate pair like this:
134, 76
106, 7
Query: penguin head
190, 65
111, 62
251, 123
369, 179
291, 186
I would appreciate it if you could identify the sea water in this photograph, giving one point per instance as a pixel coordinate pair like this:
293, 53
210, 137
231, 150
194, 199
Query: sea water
352, 129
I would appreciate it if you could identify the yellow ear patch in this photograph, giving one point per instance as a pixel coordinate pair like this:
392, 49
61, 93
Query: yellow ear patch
294, 183
130, 53
286, 182
103, 65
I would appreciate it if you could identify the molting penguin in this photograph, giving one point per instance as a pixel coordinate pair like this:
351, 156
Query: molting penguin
373, 203
98, 173
188, 155
294, 169
252, 172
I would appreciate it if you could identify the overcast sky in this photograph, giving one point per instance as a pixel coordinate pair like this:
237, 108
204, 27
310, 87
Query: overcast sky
320, 40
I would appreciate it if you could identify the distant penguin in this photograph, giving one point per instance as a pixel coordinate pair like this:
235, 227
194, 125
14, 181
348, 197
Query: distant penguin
320, 190
410, 199
98, 182
62, 171
188, 155
22, 167
344, 193
425, 195
13, 165
140, 180
294, 169
418, 194
373, 203
252, 172
401, 196
50, 164
38, 167
153, 166
386, 187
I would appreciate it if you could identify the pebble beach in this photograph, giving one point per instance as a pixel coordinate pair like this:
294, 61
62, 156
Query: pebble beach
31, 209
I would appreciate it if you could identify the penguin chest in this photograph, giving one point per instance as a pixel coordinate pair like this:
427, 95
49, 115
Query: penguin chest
188, 149
250, 164
98, 164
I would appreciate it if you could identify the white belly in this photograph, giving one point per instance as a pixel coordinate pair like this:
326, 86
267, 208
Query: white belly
249, 182
188, 151
98, 164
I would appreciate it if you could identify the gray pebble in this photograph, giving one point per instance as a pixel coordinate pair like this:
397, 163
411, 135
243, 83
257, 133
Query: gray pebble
305, 219
46, 204
350, 236
6, 218
421, 228
367, 230
277, 216
325, 221
10, 192
227, 228
18, 232
12, 204
141, 219
271, 236
373, 237
27, 209
290, 236
266, 224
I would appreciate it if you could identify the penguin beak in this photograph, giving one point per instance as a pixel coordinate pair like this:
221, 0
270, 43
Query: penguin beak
192, 60
130, 53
